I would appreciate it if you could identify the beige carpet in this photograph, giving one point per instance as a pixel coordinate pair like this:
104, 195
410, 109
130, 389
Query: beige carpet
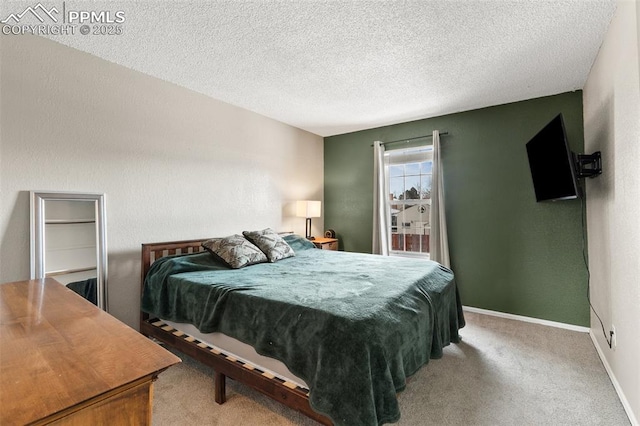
504, 372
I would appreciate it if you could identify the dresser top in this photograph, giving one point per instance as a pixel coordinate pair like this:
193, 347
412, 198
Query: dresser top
58, 350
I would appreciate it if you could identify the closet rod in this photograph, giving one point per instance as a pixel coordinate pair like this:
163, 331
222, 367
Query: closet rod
413, 139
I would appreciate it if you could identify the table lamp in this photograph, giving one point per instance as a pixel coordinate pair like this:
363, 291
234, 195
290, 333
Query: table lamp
308, 209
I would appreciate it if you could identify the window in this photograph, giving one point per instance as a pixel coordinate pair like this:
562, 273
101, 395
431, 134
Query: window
409, 205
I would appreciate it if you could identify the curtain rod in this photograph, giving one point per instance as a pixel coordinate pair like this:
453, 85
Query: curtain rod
413, 139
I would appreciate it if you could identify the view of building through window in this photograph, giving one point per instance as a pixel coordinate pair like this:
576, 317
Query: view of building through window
409, 182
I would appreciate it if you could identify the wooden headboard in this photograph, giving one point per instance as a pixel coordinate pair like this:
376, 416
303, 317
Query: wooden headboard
154, 251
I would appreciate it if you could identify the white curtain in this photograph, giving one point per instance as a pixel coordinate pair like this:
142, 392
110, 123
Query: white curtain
438, 241
380, 243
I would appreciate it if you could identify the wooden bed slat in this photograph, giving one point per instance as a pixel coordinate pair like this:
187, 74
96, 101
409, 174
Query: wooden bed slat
225, 366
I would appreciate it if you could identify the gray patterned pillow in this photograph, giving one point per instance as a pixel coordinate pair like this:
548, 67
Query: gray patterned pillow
270, 243
235, 251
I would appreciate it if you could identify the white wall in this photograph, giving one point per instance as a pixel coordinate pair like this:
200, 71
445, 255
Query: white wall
612, 125
174, 164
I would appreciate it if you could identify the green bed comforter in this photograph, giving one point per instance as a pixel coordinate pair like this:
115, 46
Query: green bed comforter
352, 326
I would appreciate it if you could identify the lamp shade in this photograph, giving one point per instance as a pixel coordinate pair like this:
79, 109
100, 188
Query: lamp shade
308, 208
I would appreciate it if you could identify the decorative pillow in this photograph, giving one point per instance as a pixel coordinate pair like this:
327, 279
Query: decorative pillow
270, 243
298, 242
235, 251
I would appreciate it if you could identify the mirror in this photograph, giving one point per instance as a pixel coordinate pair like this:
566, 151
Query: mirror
68, 242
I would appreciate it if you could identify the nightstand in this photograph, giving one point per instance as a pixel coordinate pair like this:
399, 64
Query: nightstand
326, 243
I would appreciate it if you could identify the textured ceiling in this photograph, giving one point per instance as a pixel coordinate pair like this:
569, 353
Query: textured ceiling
333, 67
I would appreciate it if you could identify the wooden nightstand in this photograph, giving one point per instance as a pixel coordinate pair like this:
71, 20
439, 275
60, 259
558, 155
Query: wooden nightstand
326, 243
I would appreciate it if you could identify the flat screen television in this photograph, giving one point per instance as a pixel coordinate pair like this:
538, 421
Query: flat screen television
552, 164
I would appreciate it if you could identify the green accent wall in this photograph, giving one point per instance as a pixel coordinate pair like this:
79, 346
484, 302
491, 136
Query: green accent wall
508, 252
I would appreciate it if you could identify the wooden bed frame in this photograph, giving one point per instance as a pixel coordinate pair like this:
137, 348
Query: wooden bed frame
224, 365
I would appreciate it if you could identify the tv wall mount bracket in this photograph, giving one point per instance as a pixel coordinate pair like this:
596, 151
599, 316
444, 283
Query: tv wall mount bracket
589, 165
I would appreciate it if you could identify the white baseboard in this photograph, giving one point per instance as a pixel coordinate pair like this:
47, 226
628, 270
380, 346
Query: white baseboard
616, 385
527, 319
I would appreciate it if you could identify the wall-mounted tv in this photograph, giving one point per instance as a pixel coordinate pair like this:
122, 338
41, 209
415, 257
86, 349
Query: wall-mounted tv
552, 163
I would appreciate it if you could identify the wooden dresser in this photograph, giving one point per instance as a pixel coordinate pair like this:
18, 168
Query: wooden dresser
63, 361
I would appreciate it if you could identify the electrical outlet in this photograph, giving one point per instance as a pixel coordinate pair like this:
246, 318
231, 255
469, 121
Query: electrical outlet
614, 337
